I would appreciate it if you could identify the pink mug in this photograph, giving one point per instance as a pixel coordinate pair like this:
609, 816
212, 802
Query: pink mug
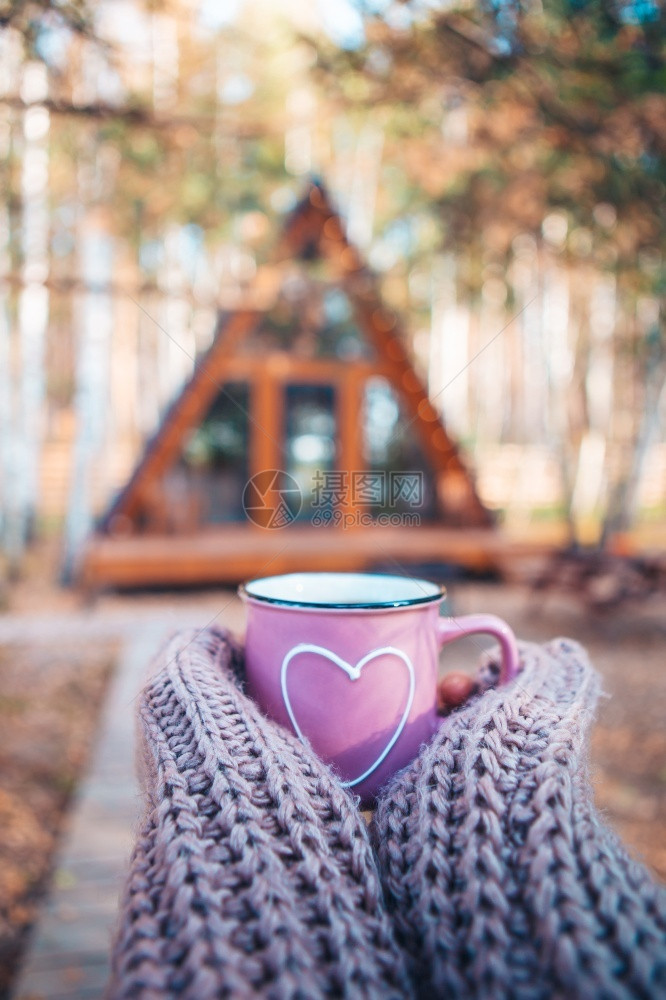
349, 662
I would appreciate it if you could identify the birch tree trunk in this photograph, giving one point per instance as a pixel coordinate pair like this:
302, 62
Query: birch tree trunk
149, 401
491, 362
165, 60
529, 422
6, 387
95, 323
33, 306
176, 347
595, 295
649, 383
10, 60
298, 152
123, 423
365, 181
560, 365
448, 377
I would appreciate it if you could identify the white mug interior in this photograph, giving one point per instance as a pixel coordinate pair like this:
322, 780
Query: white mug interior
342, 590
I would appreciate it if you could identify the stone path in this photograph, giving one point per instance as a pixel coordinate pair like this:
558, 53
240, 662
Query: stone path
68, 955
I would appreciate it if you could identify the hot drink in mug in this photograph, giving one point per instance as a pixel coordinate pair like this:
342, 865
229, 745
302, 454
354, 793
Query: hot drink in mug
349, 662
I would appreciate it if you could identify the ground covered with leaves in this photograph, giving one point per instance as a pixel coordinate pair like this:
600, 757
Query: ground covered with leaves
49, 702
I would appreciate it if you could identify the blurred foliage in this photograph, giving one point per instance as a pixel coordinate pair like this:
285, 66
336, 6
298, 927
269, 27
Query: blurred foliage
33, 17
198, 157
495, 114
500, 113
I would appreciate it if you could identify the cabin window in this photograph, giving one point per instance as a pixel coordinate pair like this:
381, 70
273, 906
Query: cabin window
404, 484
310, 450
339, 337
214, 467
310, 320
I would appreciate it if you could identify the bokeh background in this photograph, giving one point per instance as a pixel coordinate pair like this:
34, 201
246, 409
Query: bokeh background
501, 167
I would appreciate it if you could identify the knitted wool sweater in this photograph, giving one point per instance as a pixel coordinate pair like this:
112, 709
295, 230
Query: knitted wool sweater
485, 873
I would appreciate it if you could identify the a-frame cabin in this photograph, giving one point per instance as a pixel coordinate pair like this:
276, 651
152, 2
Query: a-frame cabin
303, 440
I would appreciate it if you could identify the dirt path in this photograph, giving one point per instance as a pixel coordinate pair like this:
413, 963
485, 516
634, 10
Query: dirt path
49, 703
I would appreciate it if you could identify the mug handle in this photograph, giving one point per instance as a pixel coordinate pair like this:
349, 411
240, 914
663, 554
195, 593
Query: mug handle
450, 629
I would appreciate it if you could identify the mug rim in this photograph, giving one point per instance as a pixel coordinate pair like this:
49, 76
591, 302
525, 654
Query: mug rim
438, 594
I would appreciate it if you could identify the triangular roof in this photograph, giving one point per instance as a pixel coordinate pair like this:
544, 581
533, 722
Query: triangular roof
313, 230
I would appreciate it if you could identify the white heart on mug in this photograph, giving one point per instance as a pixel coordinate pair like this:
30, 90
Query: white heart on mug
353, 672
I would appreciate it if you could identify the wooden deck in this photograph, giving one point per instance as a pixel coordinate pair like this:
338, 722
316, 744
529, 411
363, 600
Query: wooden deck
233, 553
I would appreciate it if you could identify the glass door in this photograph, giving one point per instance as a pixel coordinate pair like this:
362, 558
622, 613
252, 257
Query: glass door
310, 452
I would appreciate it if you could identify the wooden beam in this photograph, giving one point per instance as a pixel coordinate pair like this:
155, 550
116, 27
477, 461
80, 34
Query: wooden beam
188, 410
287, 367
235, 552
349, 410
267, 422
457, 496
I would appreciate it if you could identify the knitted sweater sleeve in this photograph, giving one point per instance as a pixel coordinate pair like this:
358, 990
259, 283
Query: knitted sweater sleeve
492, 876
501, 878
252, 873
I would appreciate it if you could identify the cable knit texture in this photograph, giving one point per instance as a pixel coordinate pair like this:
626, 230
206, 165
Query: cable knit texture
253, 873
501, 879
